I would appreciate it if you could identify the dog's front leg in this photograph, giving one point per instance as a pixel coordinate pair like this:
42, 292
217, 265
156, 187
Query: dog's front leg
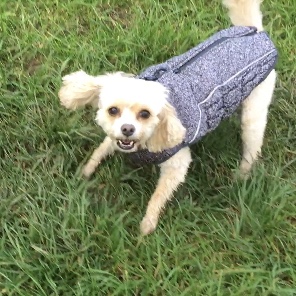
106, 148
172, 174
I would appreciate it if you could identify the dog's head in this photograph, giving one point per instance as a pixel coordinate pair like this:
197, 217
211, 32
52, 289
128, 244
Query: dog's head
134, 113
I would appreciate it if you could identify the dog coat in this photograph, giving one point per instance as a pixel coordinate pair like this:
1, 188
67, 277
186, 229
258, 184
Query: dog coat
207, 83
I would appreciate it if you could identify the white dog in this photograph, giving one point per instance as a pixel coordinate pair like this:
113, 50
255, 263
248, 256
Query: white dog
136, 114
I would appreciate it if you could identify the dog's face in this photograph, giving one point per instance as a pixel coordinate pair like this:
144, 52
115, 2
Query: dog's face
135, 114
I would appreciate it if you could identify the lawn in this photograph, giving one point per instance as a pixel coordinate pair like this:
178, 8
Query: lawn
62, 235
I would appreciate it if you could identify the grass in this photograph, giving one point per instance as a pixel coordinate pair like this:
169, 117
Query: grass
61, 235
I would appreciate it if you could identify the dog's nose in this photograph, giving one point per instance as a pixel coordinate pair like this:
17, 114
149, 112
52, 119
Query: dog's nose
127, 129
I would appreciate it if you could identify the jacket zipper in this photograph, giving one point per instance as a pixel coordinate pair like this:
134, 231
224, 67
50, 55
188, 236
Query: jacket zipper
205, 50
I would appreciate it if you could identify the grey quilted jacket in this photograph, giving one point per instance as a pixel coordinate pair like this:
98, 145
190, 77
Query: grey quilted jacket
207, 83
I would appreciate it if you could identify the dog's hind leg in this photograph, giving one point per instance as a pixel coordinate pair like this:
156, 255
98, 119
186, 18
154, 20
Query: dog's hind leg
172, 174
106, 148
253, 122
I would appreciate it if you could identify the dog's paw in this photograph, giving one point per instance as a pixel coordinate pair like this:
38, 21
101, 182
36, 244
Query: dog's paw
87, 171
245, 170
244, 175
148, 225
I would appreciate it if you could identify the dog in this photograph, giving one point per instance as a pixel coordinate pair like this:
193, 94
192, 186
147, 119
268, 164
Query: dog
138, 117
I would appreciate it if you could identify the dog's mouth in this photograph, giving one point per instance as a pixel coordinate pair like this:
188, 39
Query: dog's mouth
126, 144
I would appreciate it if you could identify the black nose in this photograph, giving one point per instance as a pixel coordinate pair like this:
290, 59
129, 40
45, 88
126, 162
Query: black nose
127, 129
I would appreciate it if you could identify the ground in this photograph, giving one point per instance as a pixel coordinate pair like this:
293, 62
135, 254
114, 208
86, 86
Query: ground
62, 235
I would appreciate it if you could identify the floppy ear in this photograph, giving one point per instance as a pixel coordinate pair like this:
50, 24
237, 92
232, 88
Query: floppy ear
79, 89
168, 133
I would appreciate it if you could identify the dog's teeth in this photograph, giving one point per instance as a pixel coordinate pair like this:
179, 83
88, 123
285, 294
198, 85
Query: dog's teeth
125, 144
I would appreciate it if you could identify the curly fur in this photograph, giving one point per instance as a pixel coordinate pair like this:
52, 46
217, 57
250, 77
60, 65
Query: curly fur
162, 129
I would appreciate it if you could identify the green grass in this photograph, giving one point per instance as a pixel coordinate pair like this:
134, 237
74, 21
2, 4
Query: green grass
61, 235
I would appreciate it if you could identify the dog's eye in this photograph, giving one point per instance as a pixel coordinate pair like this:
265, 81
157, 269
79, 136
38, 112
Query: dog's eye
113, 111
144, 114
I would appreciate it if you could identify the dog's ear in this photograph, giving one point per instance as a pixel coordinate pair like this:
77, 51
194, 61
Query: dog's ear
168, 133
79, 89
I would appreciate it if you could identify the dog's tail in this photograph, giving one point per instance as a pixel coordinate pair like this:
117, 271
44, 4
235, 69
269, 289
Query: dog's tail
245, 12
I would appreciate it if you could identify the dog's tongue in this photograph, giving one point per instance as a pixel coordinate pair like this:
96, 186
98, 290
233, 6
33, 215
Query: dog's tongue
125, 142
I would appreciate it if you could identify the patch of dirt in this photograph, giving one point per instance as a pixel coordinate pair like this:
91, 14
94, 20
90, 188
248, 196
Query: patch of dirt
118, 15
33, 65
